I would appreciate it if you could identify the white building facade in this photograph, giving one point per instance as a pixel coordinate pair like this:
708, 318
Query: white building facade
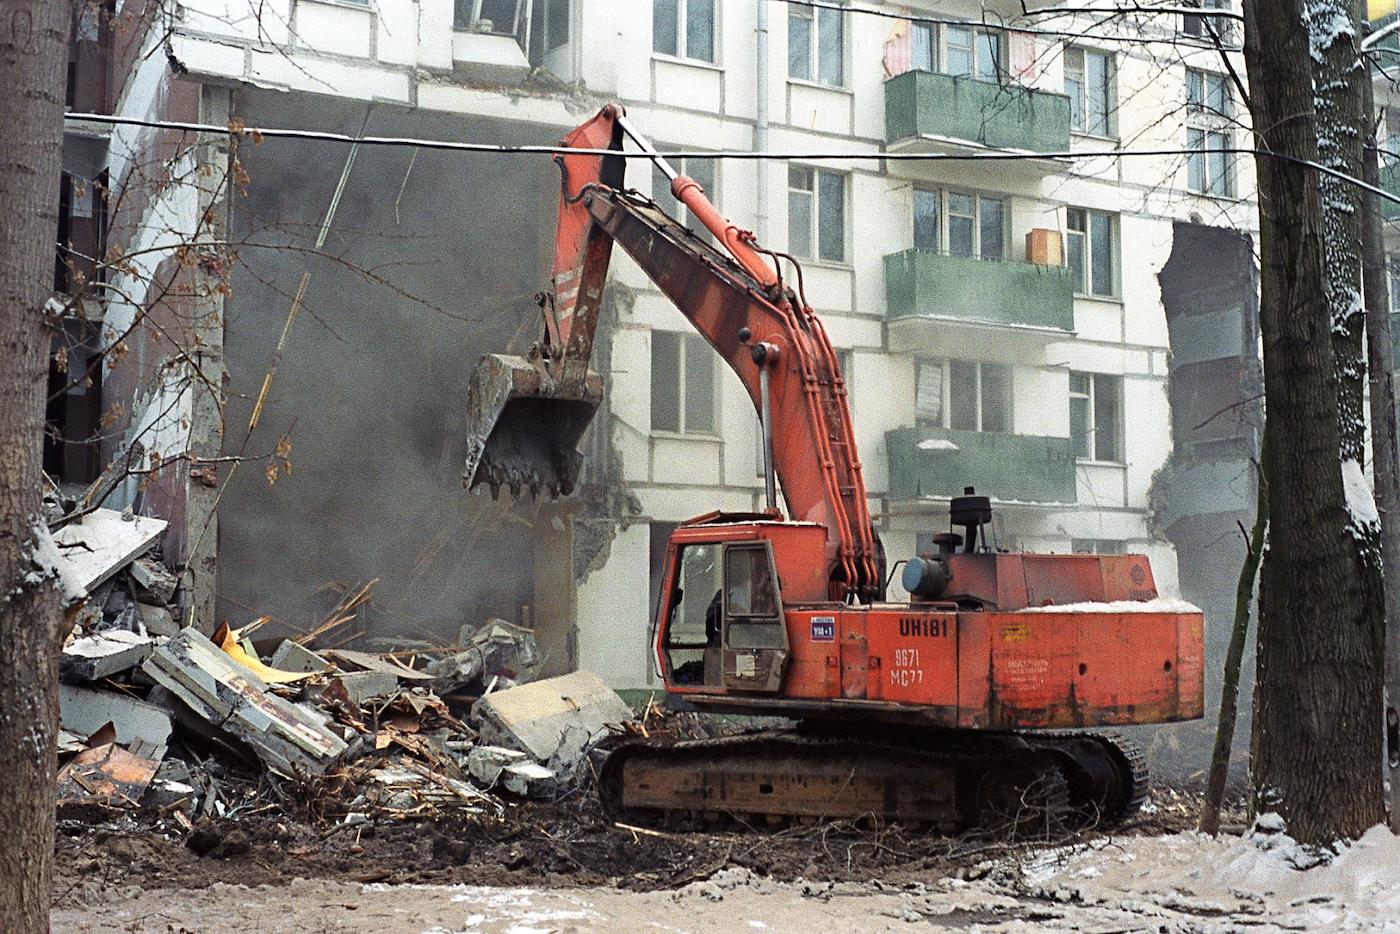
1001, 322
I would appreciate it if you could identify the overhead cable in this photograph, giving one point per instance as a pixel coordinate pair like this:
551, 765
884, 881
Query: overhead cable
502, 149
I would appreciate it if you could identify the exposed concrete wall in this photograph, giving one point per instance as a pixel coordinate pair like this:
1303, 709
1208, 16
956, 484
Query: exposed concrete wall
431, 259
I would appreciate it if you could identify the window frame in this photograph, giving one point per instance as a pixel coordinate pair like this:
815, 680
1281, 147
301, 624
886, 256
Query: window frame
688, 346
944, 366
1090, 397
522, 10
1115, 291
814, 44
1197, 27
944, 241
682, 38
814, 234
1079, 103
938, 45
1208, 130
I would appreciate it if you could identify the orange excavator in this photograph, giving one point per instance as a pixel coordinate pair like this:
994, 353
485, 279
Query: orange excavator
973, 702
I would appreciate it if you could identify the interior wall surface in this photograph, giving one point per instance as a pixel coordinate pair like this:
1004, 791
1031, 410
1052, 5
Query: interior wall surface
430, 259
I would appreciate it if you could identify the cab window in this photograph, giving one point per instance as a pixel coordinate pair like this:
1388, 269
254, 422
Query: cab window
694, 619
751, 599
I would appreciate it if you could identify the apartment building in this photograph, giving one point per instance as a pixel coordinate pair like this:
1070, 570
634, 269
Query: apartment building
1010, 324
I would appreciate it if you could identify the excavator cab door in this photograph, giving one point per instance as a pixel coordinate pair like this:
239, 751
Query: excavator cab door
755, 639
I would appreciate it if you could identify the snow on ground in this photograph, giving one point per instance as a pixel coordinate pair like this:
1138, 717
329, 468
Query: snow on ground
1251, 879
1180, 884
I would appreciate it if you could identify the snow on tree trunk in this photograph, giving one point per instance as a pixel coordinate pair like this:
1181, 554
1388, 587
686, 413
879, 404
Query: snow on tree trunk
1315, 746
33, 63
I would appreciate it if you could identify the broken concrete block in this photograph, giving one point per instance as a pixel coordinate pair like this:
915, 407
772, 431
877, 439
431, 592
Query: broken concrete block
360, 686
103, 542
293, 657
154, 580
530, 780
497, 646
289, 738
554, 720
158, 620
69, 742
485, 763
141, 727
102, 655
108, 774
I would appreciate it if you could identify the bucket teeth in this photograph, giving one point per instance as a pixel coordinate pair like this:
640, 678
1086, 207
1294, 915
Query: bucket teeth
524, 427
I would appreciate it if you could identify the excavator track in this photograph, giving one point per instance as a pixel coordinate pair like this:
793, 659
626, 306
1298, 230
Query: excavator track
949, 782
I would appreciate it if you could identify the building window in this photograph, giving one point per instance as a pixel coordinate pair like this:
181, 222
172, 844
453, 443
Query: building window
1204, 27
1208, 162
1091, 87
556, 24
816, 45
495, 17
682, 383
816, 214
684, 28
1096, 417
966, 51
1092, 251
1099, 546
1209, 108
962, 395
960, 224
703, 171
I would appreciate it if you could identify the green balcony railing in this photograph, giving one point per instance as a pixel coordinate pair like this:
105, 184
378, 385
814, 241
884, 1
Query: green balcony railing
921, 283
925, 103
1006, 467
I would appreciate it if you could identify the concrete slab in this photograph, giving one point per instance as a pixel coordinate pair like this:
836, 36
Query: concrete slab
103, 542
103, 654
141, 727
554, 720
293, 657
158, 620
289, 738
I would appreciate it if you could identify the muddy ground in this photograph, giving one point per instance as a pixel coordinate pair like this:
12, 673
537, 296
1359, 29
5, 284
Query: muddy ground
108, 862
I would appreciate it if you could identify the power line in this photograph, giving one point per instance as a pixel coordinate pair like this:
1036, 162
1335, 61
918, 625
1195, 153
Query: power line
506, 149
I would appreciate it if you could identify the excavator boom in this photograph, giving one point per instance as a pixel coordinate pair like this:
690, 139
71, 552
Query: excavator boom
527, 414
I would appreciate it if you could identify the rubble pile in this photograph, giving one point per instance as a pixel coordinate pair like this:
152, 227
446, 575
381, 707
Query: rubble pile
163, 718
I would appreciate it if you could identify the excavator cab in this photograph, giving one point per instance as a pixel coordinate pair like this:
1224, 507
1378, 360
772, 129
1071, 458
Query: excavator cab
722, 623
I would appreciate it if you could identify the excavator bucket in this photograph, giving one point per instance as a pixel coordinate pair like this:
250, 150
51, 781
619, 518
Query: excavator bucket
524, 426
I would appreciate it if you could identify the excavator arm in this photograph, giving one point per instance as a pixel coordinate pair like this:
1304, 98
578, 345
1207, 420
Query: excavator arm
529, 413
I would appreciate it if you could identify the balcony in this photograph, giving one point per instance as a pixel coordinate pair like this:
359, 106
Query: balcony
931, 112
937, 463
932, 298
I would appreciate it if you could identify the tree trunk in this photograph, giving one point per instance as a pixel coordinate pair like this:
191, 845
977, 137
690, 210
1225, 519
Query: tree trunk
1314, 746
1385, 465
1234, 655
33, 61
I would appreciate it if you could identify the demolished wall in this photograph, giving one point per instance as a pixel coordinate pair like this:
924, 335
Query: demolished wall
1207, 489
431, 259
